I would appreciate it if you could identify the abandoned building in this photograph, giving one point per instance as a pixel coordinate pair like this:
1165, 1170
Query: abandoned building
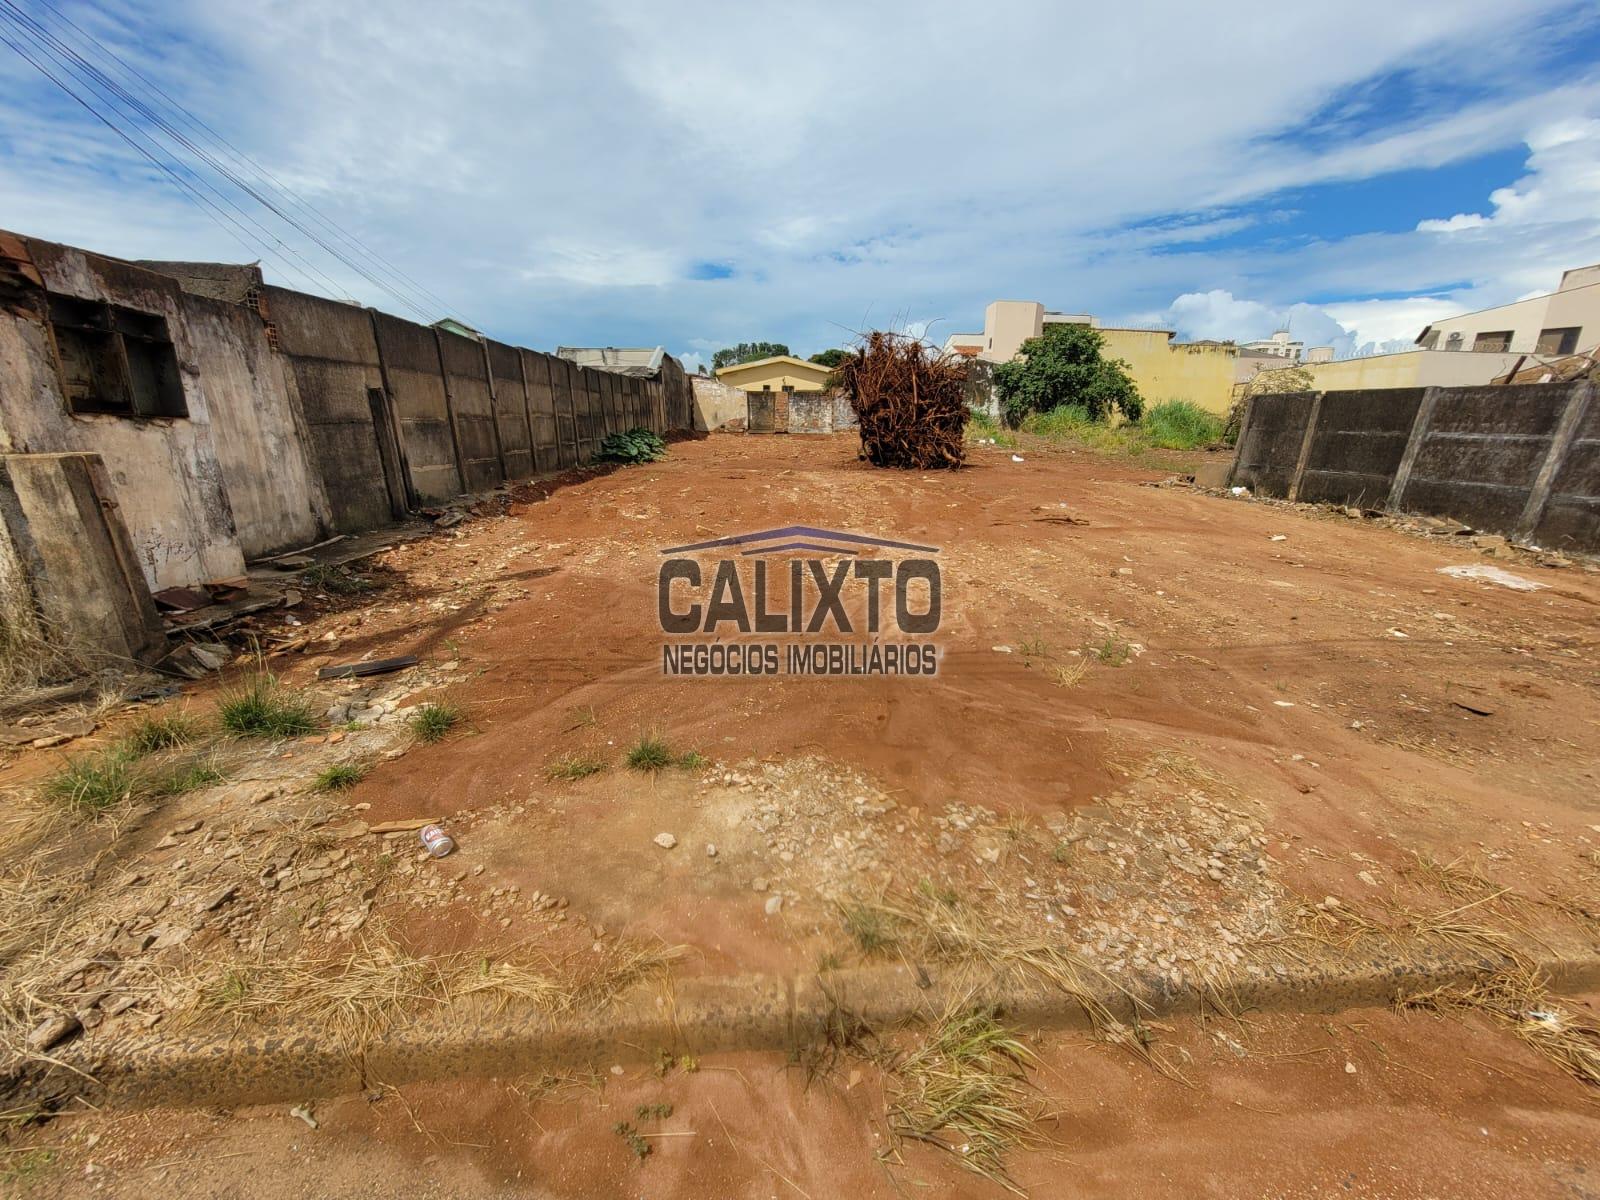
162, 424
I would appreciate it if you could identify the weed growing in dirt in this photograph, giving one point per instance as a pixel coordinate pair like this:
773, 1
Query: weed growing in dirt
161, 733
650, 753
340, 777
641, 1148
965, 1090
1112, 652
27, 1168
867, 925
92, 783
430, 722
336, 581
635, 446
1180, 425
692, 761
1070, 675
263, 708
572, 767
981, 427
187, 777
1034, 647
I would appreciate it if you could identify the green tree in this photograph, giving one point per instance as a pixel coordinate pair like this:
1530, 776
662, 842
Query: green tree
730, 356
830, 358
1065, 366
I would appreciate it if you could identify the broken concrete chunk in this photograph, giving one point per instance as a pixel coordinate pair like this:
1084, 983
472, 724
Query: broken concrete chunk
52, 1031
665, 840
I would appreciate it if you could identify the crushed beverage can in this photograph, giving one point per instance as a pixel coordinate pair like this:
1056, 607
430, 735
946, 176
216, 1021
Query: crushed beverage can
437, 841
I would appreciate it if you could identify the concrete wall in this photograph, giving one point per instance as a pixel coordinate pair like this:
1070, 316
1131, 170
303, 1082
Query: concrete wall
69, 576
466, 381
1523, 461
165, 470
263, 445
513, 419
331, 365
716, 403
413, 373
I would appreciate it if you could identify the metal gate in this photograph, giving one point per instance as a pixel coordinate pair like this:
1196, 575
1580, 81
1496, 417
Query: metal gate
763, 408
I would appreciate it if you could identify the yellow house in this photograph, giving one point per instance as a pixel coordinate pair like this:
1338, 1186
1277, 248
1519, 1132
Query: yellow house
1160, 368
782, 373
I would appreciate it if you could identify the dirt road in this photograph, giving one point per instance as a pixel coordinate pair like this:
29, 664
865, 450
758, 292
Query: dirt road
1175, 734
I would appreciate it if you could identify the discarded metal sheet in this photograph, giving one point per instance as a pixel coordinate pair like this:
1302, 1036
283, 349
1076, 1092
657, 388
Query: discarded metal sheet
379, 666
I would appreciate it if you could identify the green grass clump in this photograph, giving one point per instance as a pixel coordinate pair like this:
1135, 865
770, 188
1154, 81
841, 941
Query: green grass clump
868, 924
1180, 425
188, 777
263, 708
430, 722
650, 753
1072, 423
340, 777
981, 427
161, 733
92, 783
1112, 652
573, 767
692, 761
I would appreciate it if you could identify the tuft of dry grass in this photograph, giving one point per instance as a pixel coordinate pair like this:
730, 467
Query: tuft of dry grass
965, 1091
1519, 999
165, 732
935, 923
1071, 674
359, 993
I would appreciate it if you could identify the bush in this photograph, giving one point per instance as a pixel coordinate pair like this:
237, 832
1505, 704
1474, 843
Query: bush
1181, 425
636, 446
1064, 366
261, 708
430, 722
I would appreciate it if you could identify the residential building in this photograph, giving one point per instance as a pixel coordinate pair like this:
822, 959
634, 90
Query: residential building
780, 373
1279, 345
641, 361
1564, 321
1202, 372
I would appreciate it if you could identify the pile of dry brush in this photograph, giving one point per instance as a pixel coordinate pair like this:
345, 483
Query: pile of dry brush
910, 400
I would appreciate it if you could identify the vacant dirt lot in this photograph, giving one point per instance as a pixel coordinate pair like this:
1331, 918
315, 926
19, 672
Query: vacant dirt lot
1183, 739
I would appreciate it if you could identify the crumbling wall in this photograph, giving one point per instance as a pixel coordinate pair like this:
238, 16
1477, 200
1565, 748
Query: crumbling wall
72, 596
167, 477
1519, 460
262, 445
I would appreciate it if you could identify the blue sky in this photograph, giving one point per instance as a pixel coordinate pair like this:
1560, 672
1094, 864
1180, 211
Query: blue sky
629, 173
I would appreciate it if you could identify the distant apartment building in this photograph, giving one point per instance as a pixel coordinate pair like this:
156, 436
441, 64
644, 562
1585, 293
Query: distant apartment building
1162, 369
1279, 345
1480, 347
1564, 321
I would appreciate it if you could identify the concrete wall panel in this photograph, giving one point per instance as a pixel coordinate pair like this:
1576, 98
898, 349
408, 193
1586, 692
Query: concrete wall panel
511, 410
411, 365
467, 381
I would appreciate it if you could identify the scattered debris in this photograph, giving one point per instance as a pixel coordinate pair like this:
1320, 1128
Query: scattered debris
665, 840
1490, 574
303, 1111
378, 666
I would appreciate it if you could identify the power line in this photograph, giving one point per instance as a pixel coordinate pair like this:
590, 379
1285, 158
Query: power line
121, 100
289, 196
99, 82
192, 194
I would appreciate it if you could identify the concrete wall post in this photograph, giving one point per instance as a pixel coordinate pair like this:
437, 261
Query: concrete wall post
1579, 398
450, 412
1419, 434
1305, 447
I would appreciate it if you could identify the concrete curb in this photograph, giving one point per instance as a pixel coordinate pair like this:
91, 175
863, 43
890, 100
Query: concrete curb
701, 1016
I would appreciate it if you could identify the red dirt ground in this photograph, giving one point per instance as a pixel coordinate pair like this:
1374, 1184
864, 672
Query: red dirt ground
1432, 1110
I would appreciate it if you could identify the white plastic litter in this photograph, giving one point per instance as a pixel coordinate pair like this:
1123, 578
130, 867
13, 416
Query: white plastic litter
1490, 574
1016, 458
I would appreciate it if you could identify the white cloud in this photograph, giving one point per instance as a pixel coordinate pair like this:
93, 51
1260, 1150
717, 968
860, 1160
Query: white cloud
557, 172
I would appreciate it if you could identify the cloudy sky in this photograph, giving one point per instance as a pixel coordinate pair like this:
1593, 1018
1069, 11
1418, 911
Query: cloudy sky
700, 173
